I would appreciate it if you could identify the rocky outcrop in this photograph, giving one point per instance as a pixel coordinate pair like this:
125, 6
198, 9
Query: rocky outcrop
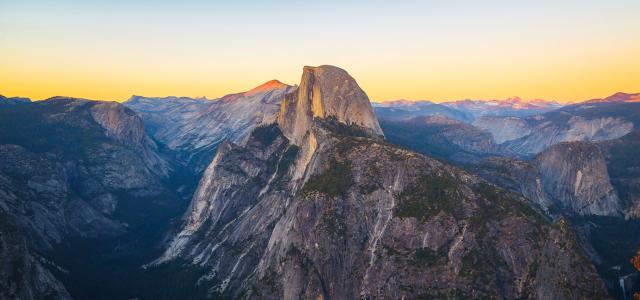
333, 212
575, 174
22, 275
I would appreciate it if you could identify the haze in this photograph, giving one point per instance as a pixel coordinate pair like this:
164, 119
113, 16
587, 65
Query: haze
574, 50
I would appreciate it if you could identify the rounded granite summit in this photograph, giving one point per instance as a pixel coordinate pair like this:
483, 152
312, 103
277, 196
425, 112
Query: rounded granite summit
326, 92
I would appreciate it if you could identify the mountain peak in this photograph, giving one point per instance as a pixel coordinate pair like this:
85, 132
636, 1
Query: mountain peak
14, 100
326, 92
623, 97
270, 85
617, 97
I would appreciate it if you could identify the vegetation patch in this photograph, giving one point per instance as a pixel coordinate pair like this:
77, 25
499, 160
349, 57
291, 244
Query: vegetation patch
372, 177
334, 182
426, 256
266, 134
340, 128
496, 203
427, 197
417, 259
332, 221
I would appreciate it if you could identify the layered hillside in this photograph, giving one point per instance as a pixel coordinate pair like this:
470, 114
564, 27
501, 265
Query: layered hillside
82, 180
401, 110
580, 122
441, 137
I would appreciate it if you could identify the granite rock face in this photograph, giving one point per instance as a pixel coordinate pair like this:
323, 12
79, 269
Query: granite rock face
503, 128
331, 211
576, 175
326, 92
566, 179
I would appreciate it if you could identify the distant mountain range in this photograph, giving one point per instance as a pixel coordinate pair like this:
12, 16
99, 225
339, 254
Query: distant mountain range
472, 109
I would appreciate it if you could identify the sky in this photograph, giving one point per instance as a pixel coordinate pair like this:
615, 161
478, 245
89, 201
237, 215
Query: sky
436, 50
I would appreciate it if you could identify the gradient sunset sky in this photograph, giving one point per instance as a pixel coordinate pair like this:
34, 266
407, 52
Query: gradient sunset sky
437, 50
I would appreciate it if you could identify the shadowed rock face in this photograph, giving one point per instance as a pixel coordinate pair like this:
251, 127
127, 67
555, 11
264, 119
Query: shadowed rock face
623, 165
22, 276
441, 137
77, 176
73, 162
332, 212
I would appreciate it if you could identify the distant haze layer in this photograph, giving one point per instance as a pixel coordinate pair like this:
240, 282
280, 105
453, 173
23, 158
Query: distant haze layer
110, 50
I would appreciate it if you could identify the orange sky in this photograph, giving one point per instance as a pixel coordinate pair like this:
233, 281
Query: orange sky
572, 51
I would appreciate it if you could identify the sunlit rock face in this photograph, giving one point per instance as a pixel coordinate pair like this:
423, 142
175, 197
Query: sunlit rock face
317, 206
326, 92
